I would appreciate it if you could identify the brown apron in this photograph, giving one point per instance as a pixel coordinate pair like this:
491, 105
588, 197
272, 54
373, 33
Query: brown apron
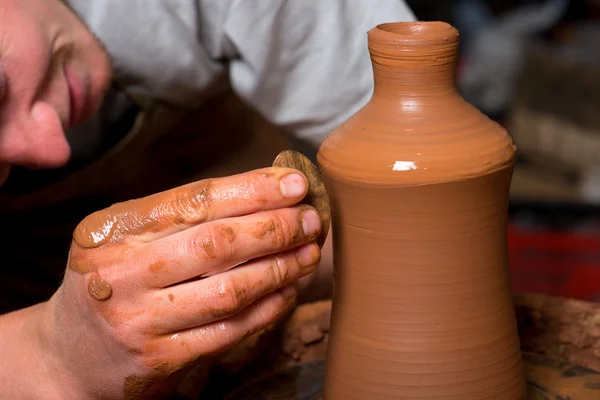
166, 148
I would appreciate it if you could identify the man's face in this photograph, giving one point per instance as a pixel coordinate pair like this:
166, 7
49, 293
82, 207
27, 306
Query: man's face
53, 74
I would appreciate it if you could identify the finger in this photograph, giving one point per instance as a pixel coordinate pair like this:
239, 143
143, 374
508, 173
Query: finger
225, 295
163, 214
214, 338
220, 245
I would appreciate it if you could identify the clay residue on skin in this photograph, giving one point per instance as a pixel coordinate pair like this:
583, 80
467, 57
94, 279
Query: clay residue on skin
263, 229
234, 300
99, 289
221, 233
157, 266
209, 247
228, 233
295, 235
187, 205
419, 186
80, 265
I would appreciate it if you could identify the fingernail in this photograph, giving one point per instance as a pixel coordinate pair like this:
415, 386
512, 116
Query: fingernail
308, 255
311, 223
292, 185
289, 292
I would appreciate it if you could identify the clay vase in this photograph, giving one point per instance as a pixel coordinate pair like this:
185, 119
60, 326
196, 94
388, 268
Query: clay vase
419, 186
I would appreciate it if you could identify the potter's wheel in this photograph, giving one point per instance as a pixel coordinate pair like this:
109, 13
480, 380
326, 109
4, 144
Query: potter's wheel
548, 379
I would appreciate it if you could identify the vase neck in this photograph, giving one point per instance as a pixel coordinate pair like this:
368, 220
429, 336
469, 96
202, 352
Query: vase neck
413, 58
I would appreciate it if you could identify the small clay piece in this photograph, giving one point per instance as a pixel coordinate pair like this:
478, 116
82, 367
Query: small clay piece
317, 195
567, 329
310, 334
419, 186
100, 289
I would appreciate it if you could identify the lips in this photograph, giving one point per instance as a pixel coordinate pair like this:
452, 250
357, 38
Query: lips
77, 96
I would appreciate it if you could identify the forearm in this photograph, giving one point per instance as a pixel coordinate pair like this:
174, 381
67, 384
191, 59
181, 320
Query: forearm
26, 370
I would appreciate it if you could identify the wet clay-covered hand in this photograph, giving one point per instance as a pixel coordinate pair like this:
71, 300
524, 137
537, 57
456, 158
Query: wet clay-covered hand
156, 285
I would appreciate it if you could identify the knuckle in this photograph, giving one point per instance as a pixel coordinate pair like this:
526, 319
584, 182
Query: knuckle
282, 231
194, 205
221, 335
279, 271
255, 187
205, 244
232, 297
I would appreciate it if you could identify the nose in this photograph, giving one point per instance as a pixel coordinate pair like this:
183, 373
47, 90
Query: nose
34, 139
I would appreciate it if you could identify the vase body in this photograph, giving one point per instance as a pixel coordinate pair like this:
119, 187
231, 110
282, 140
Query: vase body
419, 186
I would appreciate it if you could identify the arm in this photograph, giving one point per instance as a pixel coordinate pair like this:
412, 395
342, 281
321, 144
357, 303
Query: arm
23, 335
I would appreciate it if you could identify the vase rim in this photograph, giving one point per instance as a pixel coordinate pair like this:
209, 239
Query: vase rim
414, 33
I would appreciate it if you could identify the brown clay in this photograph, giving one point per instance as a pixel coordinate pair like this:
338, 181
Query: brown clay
418, 181
317, 195
147, 215
567, 329
99, 289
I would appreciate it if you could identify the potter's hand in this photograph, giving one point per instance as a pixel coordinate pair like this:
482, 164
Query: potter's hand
132, 312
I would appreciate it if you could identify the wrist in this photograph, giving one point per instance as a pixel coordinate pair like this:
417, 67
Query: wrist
53, 379
25, 370
49, 348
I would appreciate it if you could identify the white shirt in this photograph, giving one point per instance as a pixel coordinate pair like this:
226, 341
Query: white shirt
303, 64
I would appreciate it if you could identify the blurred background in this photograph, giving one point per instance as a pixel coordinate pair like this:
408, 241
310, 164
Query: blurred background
534, 66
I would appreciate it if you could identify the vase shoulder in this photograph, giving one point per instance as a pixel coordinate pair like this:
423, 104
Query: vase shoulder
416, 140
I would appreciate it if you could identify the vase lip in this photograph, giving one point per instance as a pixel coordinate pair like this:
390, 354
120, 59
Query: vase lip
414, 33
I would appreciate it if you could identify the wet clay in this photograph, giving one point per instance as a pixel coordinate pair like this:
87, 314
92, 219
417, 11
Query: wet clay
188, 204
419, 181
316, 196
99, 289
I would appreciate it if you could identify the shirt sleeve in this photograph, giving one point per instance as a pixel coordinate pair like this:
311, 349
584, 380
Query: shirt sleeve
304, 64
